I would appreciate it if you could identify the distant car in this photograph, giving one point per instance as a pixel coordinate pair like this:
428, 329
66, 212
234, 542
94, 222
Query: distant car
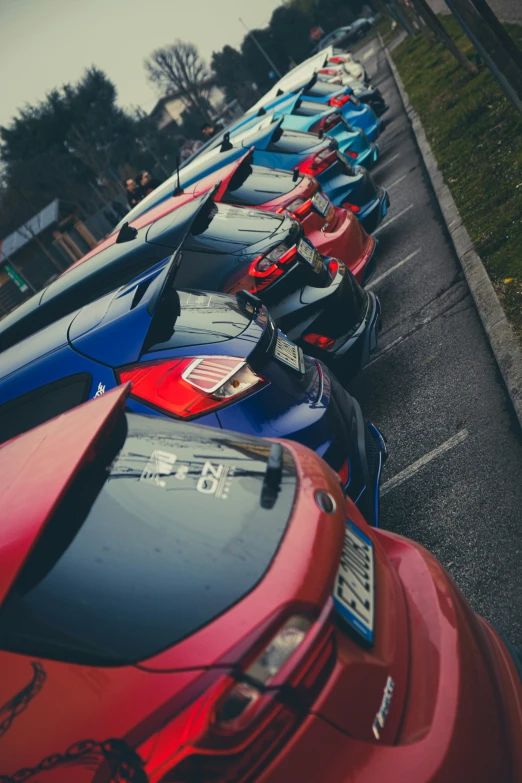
315, 301
186, 604
343, 37
192, 355
334, 231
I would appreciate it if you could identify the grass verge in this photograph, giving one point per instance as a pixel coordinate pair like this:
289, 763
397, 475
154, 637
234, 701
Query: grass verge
476, 136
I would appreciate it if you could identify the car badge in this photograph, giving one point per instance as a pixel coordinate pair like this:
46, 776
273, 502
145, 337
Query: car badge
380, 718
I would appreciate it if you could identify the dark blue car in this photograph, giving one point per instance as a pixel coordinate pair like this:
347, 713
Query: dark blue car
345, 185
191, 355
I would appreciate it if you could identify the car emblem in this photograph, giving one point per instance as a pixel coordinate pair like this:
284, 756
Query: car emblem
380, 718
100, 390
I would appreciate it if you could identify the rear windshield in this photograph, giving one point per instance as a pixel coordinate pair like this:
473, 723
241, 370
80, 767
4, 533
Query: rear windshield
291, 142
255, 185
320, 89
159, 535
308, 108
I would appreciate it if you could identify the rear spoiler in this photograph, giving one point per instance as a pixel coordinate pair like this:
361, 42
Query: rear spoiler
276, 133
39, 467
246, 160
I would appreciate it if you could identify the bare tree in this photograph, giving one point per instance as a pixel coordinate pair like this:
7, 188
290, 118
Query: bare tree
179, 68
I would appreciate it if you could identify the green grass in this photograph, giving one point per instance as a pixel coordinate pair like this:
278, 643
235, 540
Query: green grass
476, 136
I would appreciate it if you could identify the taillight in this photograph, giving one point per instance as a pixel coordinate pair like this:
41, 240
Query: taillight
333, 268
230, 733
350, 153
326, 123
352, 207
320, 341
339, 58
191, 386
263, 270
329, 71
344, 473
339, 100
298, 208
318, 162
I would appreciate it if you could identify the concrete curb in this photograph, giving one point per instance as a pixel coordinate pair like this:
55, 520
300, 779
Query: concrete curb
503, 341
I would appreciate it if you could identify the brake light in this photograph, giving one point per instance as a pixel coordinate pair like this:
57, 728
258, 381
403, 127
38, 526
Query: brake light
191, 386
333, 268
351, 153
339, 100
352, 207
320, 341
263, 270
344, 473
326, 123
329, 71
233, 729
339, 58
318, 162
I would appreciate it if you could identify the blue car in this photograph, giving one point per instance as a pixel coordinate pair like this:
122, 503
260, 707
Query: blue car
357, 113
191, 355
345, 185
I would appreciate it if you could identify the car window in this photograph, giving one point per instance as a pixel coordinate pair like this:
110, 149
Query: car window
147, 546
39, 405
291, 142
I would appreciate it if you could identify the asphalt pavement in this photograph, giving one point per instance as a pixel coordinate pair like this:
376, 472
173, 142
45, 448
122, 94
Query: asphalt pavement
453, 480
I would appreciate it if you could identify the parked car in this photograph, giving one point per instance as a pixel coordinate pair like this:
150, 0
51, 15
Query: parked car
316, 301
187, 604
351, 187
334, 231
346, 36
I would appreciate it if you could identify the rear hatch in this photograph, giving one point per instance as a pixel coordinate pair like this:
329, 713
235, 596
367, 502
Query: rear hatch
132, 555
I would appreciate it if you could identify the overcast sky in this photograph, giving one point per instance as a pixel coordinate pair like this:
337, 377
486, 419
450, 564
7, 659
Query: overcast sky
45, 43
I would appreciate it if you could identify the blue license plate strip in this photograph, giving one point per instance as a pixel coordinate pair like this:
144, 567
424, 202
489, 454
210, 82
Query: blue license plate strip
354, 592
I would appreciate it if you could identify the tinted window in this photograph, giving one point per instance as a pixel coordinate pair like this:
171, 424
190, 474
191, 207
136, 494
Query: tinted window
40, 405
136, 559
291, 141
320, 89
308, 109
254, 185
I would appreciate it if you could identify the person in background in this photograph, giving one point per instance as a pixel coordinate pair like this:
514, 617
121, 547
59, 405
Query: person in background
134, 194
209, 129
146, 183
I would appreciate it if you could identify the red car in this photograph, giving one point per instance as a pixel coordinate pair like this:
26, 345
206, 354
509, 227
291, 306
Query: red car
334, 231
183, 605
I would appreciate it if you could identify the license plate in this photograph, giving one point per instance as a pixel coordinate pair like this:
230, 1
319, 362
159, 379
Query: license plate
321, 204
355, 582
288, 353
309, 254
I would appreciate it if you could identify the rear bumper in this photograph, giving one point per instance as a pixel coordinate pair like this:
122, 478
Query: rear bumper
374, 213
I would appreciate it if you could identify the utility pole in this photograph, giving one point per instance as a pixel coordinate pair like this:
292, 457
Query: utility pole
433, 22
265, 55
400, 17
493, 43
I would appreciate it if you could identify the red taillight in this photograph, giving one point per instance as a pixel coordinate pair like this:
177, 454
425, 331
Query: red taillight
329, 71
333, 268
339, 100
299, 208
320, 341
231, 731
344, 473
326, 123
263, 270
193, 385
351, 153
318, 162
339, 58
352, 207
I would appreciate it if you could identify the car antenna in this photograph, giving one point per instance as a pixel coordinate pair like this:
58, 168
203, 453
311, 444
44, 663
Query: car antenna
178, 190
126, 234
321, 133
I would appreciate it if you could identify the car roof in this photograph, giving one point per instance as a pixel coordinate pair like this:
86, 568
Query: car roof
38, 467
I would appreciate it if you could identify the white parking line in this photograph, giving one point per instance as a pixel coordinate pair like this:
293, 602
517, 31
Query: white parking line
385, 163
391, 220
389, 187
368, 54
414, 468
393, 268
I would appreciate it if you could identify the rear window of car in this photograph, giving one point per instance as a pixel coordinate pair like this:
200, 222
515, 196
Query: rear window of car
255, 185
39, 405
321, 89
308, 108
291, 142
160, 534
